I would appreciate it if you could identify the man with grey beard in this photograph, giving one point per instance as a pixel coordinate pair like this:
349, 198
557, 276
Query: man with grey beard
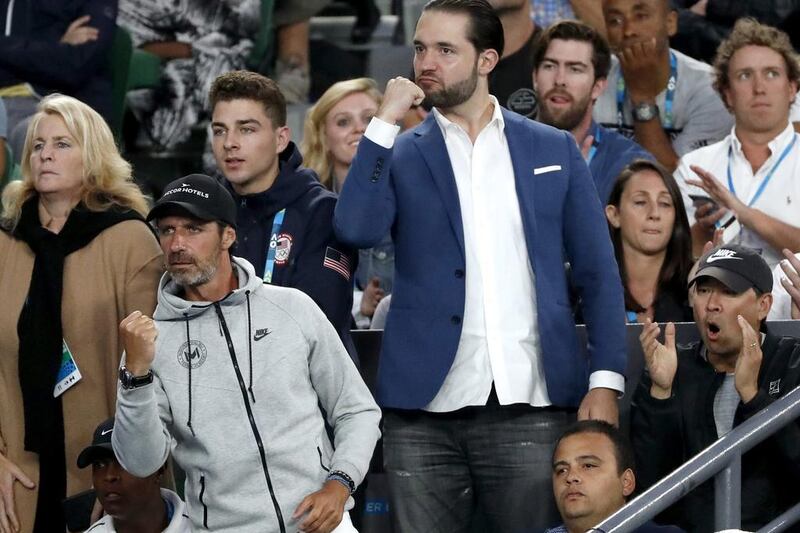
228, 363
570, 65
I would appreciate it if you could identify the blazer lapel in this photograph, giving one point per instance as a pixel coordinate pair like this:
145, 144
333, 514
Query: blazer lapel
430, 142
520, 146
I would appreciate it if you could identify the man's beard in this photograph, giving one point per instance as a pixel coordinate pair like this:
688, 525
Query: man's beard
201, 273
566, 120
456, 94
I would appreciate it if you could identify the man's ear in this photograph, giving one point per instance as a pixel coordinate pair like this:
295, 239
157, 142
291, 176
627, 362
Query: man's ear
727, 99
612, 215
228, 237
598, 88
487, 60
764, 305
628, 482
283, 135
672, 22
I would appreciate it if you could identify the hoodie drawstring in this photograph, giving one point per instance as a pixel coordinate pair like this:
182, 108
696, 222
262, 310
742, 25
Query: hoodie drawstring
189, 361
250, 346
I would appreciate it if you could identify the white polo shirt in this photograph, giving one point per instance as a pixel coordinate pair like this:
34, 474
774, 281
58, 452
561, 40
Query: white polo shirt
779, 198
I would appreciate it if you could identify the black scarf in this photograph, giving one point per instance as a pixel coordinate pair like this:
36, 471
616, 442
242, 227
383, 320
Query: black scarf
40, 341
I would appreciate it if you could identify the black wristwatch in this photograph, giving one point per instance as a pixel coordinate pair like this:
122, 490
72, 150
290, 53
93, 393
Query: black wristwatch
129, 381
645, 112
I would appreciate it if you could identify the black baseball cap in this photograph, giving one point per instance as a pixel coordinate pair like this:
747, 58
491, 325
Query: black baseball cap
739, 268
101, 444
199, 195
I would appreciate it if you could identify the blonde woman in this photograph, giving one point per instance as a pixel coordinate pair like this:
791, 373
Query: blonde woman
335, 125
333, 128
75, 258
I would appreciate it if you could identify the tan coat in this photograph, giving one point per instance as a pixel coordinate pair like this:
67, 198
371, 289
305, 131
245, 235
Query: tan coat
112, 276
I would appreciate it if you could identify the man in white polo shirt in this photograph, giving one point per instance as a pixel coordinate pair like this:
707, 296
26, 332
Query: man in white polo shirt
747, 184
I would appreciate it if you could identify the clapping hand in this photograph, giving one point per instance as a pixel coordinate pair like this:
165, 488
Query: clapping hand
749, 362
791, 267
661, 359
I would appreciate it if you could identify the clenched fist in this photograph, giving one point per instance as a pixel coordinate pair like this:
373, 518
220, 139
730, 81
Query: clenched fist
139, 335
401, 94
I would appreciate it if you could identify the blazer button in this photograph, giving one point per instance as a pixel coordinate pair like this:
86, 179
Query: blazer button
455, 319
459, 273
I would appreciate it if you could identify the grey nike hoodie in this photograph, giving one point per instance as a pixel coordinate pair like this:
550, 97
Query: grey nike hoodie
236, 396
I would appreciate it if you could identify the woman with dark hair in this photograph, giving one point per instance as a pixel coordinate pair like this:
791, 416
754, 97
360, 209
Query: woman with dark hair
652, 243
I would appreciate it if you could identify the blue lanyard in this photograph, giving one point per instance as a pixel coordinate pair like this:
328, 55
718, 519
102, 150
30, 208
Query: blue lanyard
595, 143
277, 222
768, 176
671, 85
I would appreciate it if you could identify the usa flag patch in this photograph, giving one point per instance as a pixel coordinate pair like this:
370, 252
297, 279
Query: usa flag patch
337, 261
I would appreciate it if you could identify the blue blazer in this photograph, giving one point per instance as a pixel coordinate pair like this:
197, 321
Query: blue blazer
411, 190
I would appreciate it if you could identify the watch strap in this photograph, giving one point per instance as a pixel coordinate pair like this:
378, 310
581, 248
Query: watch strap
129, 381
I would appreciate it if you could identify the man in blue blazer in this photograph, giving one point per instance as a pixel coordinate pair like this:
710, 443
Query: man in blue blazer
480, 369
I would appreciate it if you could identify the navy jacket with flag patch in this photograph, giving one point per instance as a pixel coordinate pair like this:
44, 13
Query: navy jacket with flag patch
308, 255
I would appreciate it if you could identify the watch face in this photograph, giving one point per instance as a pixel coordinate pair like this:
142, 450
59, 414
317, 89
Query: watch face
645, 112
129, 381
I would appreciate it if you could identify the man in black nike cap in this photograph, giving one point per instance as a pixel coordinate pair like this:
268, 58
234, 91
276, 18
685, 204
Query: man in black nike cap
692, 395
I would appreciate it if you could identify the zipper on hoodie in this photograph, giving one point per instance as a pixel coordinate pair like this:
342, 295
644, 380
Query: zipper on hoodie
203, 503
251, 418
325, 468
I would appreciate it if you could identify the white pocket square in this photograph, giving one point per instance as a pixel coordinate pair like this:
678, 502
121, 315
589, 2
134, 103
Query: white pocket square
543, 170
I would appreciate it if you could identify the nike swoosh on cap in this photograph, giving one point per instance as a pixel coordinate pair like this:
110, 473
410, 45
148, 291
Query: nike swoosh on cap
712, 258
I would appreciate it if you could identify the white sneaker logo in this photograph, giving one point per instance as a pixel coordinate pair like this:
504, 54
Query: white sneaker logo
722, 254
106, 432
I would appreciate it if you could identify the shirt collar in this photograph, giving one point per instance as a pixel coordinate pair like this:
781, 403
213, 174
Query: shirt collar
775, 145
447, 125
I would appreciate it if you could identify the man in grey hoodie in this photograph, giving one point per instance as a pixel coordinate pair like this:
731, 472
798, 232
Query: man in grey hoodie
232, 377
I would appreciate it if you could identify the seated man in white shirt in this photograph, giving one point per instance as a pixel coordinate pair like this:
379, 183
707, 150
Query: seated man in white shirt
746, 184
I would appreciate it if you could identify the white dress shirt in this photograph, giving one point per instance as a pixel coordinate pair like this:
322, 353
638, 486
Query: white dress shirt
500, 335
780, 198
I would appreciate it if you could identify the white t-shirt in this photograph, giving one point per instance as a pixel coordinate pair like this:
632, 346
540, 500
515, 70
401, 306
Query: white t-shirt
699, 117
780, 197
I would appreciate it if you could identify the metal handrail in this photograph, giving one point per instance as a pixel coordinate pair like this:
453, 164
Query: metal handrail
722, 458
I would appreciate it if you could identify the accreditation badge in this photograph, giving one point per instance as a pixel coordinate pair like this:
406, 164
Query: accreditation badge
68, 373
